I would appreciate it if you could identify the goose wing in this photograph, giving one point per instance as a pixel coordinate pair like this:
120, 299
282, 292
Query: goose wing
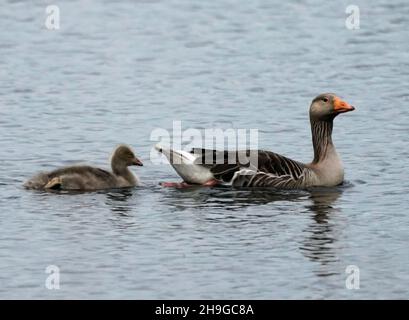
252, 168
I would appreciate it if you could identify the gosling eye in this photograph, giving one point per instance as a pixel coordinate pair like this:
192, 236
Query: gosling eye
325, 99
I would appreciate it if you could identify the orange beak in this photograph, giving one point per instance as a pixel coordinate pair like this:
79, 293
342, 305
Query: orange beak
341, 106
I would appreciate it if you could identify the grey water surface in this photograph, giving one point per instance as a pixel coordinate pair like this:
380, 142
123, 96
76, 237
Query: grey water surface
117, 70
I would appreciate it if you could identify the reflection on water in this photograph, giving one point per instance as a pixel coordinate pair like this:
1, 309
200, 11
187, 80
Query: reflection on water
117, 200
320, 235
226, 197
122, 204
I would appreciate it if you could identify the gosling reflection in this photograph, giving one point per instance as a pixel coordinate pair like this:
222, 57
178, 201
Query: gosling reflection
321, 235
121, 205
118, 201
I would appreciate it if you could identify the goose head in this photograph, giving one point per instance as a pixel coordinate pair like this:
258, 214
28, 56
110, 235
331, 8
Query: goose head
327, 106
122, 158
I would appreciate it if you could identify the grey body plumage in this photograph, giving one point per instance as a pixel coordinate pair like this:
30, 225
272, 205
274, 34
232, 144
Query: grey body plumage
275, 170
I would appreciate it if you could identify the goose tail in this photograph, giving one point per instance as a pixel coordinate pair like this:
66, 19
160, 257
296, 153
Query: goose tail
184, 164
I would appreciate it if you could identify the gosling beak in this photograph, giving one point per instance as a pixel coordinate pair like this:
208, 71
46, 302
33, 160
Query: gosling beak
341, 106
137, 162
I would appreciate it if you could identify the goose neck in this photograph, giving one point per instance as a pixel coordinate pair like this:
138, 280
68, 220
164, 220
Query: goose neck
321, 139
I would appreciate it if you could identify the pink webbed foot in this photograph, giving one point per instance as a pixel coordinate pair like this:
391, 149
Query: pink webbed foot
211, 183
183, 184
178, 185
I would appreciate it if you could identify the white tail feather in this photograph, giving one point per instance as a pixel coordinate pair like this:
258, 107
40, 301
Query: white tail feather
183, 163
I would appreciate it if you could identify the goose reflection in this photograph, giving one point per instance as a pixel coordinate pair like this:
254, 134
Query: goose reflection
319, 236
226, 198
319, 244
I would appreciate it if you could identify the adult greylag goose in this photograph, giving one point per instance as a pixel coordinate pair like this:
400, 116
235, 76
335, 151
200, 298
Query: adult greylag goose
87, 178
211, 167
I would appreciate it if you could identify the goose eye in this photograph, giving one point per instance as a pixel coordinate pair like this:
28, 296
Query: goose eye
325, 99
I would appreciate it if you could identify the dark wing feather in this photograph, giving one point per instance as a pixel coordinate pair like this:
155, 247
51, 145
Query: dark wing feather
252, 168
223, 164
